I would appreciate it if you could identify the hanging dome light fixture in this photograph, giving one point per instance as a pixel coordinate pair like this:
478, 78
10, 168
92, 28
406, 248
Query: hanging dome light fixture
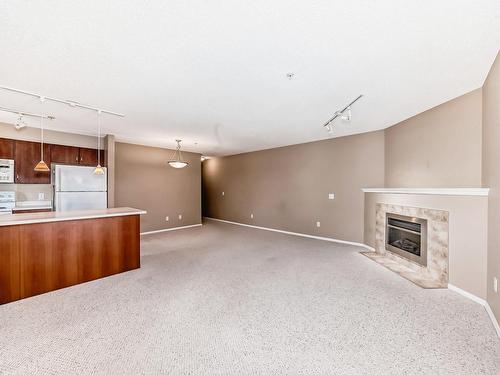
176, 160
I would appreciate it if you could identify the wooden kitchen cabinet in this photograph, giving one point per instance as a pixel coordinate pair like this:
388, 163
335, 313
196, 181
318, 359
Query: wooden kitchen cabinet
10, 279
88, 157
36, 258
6, 148
64, 154
26, 156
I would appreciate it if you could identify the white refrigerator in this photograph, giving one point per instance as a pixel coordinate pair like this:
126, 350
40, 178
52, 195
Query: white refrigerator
78, 188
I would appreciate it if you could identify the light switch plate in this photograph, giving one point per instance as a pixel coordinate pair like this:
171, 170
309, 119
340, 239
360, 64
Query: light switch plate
41, 196
495, 284
167, 218
222, 193
251, 216
180, 217
331, 196
318, 224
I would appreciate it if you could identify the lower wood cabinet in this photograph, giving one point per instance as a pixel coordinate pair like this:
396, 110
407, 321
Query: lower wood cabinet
38, 258
10, 280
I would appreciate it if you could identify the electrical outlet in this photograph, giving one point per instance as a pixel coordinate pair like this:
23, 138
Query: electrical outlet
331, 196
495, 284
167, 218
318, 224
180, 217
41, 196
222, 193
251, 216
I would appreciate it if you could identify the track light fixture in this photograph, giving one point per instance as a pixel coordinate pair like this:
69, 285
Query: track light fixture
20, 122
344, 114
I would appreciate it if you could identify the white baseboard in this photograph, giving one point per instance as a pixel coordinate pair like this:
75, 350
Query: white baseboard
295, 233
467, 294
493, 318
170, 229
481, 302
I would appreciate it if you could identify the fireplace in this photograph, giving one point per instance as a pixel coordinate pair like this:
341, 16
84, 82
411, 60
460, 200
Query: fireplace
407, 237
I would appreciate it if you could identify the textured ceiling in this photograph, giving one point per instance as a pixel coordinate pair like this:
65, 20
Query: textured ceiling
213, 73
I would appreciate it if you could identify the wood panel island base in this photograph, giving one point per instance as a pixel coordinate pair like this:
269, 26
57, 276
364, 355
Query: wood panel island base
42, 252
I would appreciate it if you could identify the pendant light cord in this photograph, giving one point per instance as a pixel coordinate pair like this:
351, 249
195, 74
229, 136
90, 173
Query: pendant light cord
99, 138
41, 145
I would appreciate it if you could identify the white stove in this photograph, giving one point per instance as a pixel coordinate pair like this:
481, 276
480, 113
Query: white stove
7, 201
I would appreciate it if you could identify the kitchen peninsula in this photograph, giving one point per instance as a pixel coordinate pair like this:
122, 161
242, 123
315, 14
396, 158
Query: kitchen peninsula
41, 252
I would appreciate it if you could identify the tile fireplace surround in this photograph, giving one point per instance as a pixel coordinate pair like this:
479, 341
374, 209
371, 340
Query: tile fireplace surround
435, 274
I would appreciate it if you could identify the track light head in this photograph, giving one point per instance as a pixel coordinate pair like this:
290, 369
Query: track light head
347, 115
20, 123
344, 114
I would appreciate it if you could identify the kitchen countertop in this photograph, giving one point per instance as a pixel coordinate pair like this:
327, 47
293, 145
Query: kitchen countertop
32, 205
47, 217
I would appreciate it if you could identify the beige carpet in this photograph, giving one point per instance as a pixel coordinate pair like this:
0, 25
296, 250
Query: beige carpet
223, 299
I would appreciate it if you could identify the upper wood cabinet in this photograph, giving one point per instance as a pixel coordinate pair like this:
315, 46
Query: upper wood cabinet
6, 148
88, 157
64, 154
26, 156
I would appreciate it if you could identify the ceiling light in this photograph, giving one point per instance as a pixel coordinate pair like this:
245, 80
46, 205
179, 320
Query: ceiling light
98, 169
176, 160
347, 115
344, 114
20, 123
41, 166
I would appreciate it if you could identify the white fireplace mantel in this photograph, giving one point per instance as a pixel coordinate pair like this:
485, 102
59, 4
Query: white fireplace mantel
430, 191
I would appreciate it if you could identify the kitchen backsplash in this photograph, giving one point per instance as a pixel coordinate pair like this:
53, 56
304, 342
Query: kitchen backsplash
29, 192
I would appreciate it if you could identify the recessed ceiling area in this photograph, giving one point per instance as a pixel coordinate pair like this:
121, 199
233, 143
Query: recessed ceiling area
214, 74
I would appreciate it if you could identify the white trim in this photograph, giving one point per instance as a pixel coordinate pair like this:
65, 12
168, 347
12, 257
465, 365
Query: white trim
295, 233
170, 229
481, 302
493, 319
482, 192
467, 294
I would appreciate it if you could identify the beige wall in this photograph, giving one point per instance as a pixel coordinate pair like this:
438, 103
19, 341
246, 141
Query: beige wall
50, 136
491, 176
440, 147
144, 180
468, 234
287, 188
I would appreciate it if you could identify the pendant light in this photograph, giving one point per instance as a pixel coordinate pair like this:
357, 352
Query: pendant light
98, 169
41, 166
176, 161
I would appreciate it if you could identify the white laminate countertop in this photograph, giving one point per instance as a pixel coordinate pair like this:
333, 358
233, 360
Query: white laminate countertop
47, 217
32, 205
